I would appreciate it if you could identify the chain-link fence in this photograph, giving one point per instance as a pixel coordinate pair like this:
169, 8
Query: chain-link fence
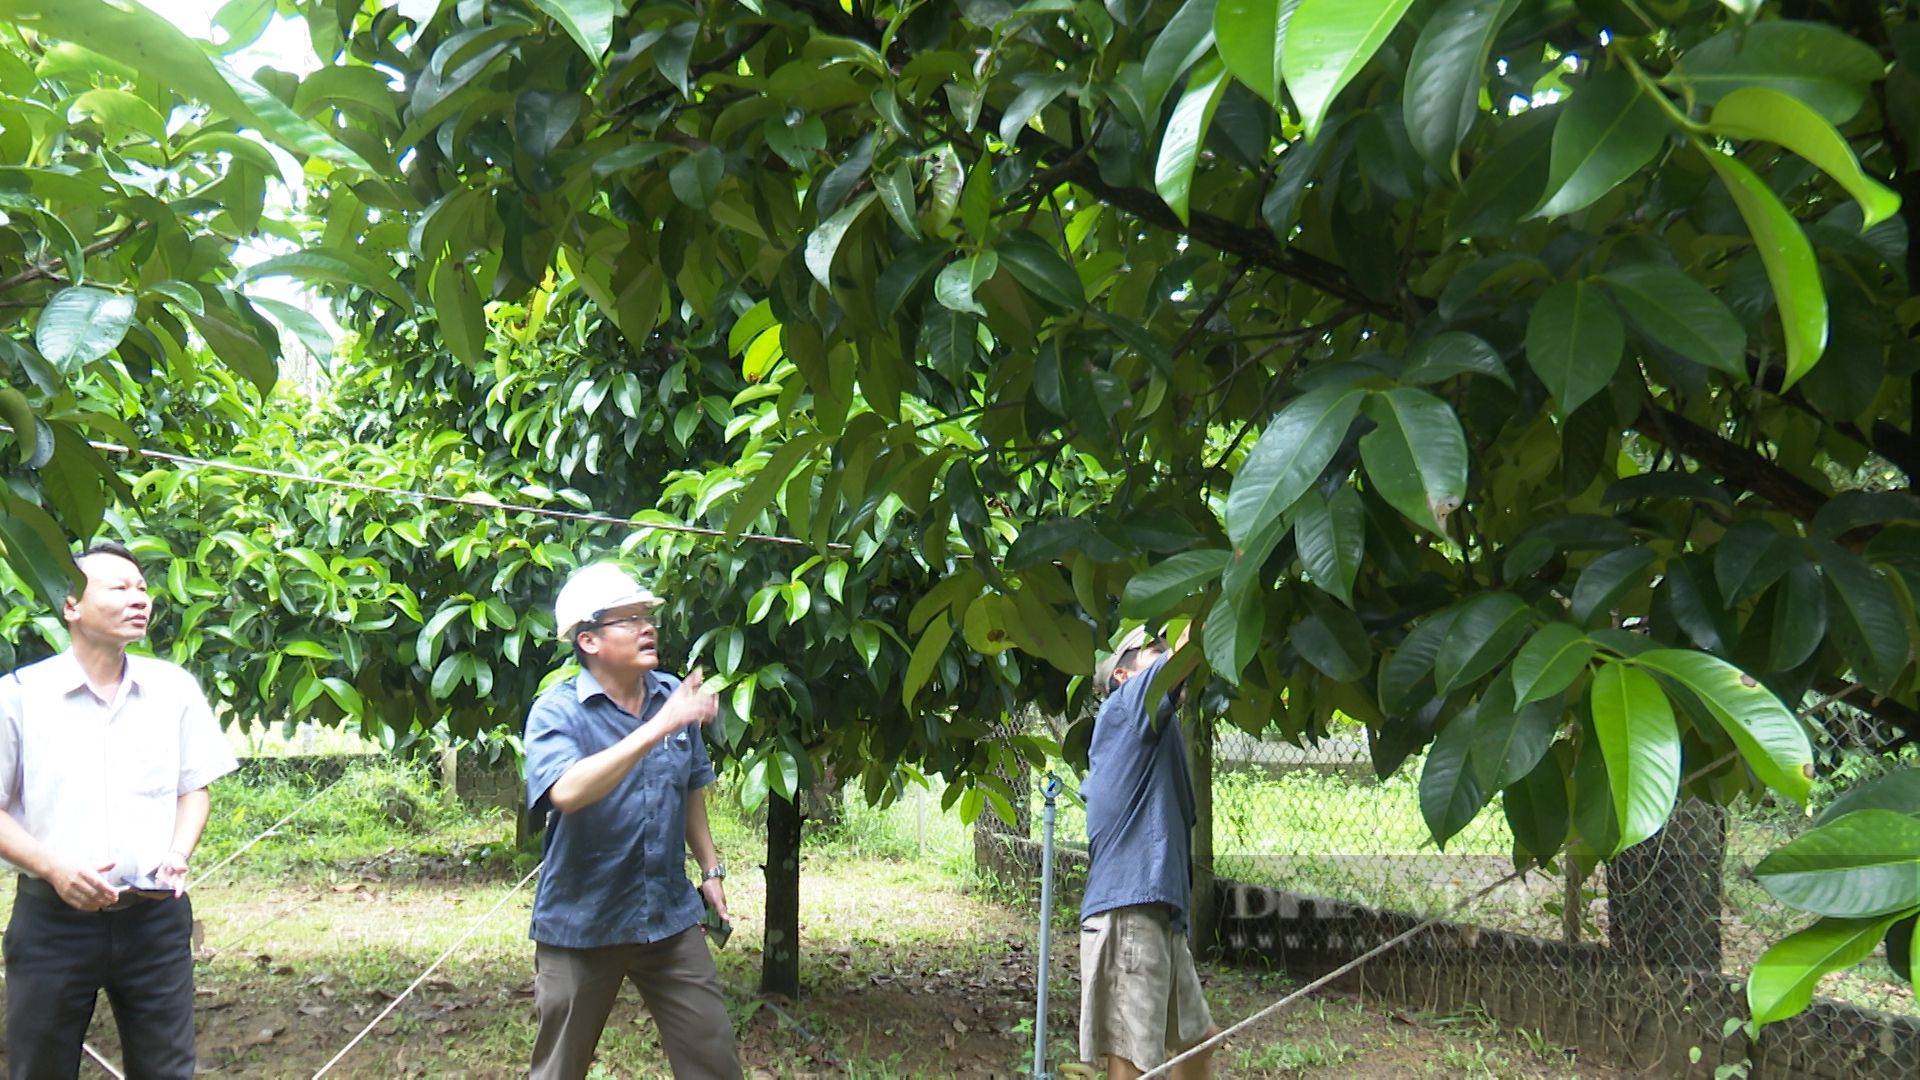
1643, 961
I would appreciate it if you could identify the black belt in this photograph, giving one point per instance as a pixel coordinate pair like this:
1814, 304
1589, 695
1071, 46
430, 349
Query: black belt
33, 886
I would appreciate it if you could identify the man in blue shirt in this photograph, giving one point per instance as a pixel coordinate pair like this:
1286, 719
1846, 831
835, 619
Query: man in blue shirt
1140, 998
616, 762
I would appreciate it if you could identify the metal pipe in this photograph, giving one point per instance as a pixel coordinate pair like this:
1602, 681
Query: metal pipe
1049, 790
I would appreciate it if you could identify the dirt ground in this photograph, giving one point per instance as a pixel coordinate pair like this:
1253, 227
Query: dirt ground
906, 974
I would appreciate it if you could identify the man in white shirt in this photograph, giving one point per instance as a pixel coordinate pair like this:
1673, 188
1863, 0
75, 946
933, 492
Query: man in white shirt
105, 760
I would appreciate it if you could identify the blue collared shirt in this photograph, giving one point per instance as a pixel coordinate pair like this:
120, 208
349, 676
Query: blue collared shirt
616, 871
1140, 810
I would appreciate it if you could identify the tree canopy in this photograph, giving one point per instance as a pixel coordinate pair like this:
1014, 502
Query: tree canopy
1529, 380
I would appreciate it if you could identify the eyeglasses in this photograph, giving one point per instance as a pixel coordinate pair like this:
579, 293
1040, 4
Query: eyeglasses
639, 621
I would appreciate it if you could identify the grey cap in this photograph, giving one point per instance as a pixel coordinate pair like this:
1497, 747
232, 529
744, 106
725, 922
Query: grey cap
1103, 671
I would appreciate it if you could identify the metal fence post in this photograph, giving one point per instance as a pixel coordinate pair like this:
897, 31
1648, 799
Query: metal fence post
1049, 791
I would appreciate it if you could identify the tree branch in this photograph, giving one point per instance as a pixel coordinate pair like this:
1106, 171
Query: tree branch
39, 272
1731, 460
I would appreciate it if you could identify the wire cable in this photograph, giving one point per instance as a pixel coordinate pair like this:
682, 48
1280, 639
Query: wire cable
243, 848
475, 501
431, 968
1208, 1044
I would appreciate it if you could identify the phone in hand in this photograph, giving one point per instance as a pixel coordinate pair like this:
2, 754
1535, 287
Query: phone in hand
718, 929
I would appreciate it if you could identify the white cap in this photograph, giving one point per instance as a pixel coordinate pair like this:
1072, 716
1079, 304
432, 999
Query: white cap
1135, 638
594, 589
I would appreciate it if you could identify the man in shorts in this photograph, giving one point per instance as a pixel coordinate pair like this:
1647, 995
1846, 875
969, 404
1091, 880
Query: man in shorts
1140, 1000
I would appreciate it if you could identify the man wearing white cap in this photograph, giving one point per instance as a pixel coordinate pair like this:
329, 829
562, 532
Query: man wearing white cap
612, 762
1140, 998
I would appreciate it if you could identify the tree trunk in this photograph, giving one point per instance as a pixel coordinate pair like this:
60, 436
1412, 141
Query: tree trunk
1203, 920
780, 957
1663, 895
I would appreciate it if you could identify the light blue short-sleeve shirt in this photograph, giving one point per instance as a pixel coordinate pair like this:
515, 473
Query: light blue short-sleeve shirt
616, 870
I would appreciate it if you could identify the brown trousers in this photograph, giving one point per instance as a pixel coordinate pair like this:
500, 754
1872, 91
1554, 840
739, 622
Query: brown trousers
574, 990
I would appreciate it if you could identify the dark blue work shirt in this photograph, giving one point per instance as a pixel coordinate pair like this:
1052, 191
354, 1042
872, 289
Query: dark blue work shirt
616, 871
1139, 804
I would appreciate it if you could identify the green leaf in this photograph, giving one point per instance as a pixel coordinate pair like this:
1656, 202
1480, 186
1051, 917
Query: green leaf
695, 179
1329, 42
991, 625
119, 109
1416, 456
1249, 35
1750, 556
81, 324
1758, 112
588, 22
1641, 745
457, 303
1867, 622
926, 655
1679, 313
1574, 341
1445, 75
1033, 98
1783, 980
1549, 662
243, 21
824, 242
18, 415
1186, 133
1232, 632
1332, 639
330, 265
132, 35
298, 321
1799, 618
895, 188
1509, 742
543, 118
1766, 732
1903, 941
1824, 67
1451, 353
309, 648
1789, 261
1288, 458
1860, 865
1450, 796
1536, 807
1604, 135
1896, 791
767, 483
1607, 579
1041, 271
37, 549
1483, 634
1154, 591
960, 279
230, 330
1331, 537
753, 786
1403, 669
1178, 46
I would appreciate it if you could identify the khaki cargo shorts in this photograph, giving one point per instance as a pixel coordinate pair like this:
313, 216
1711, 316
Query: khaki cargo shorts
1139, 993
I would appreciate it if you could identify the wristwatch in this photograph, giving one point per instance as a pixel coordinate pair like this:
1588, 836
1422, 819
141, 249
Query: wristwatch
717, 872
